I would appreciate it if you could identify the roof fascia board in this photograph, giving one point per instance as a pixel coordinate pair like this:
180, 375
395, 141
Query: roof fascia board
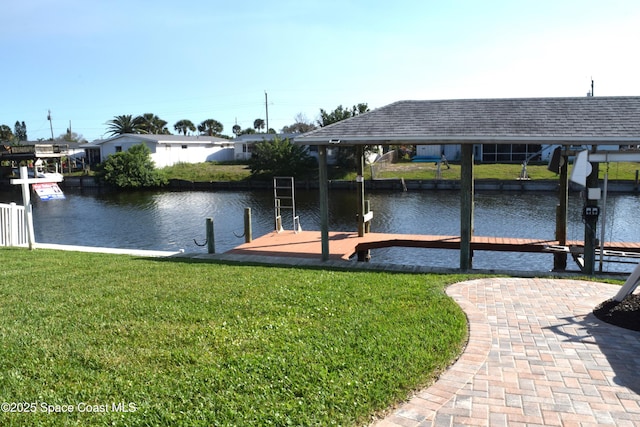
458, 140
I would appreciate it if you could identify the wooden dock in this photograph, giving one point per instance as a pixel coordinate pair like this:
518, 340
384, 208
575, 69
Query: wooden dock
343, 245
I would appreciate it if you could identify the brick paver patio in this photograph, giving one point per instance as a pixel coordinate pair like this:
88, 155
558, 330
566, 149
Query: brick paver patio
536, 356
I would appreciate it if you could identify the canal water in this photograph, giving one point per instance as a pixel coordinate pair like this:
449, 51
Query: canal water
176, 220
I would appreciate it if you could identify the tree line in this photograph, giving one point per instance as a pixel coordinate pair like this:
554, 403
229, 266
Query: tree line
134, 169
18, 134
150, 123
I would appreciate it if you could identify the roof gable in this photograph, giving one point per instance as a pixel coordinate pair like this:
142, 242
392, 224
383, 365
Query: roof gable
592, 119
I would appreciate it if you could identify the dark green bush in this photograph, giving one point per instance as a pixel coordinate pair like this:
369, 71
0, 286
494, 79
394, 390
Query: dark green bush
131, 169
280, 157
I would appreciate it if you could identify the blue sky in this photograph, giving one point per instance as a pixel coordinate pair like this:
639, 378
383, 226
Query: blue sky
88, 61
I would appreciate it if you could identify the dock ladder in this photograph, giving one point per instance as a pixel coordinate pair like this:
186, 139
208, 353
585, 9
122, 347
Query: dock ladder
284, 198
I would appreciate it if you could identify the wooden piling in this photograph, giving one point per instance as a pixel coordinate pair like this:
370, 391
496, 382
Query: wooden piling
560, 259
590, 223
248, 234
466, 207
211, 244
324, 202
360, 186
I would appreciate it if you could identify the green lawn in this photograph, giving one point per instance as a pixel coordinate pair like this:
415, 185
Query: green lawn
206, 172
407, 170
179, 342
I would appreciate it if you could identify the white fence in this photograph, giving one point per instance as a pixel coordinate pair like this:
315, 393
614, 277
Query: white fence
13, 228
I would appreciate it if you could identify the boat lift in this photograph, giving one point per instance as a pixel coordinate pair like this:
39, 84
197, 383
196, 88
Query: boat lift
591, 211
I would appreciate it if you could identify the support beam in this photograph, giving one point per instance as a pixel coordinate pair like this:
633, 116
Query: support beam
560, 259
466, 207
324, 201
590, 223
360, 188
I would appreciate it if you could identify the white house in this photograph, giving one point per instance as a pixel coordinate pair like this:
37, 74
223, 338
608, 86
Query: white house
167, 150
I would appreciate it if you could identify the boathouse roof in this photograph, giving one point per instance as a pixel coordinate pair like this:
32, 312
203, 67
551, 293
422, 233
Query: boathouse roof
584, 120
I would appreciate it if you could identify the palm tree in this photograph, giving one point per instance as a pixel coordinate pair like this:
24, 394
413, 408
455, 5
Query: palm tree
152, 124
258, 124
210, 127
237, 130
125, 123
183, 126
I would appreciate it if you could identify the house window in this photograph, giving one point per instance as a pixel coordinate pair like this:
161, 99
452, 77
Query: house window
184, 147
118, 148
509, 153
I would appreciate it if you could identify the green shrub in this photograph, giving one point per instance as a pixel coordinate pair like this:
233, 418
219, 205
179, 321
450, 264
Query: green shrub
280, 157
131, 169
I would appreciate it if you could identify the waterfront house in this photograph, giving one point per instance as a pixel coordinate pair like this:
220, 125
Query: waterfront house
168, 150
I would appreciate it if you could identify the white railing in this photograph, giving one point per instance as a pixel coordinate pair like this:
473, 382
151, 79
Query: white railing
13, 228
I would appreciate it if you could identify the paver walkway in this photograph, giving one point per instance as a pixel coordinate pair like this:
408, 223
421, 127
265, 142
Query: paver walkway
536, 356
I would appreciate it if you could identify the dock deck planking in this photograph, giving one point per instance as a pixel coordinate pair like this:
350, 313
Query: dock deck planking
343, 245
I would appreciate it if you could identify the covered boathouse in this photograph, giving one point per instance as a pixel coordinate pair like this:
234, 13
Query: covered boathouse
595, 123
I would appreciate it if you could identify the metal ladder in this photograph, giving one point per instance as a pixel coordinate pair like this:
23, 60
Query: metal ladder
284, 198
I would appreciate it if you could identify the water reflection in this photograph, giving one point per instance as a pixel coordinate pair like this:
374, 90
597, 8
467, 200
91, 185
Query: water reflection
172, 220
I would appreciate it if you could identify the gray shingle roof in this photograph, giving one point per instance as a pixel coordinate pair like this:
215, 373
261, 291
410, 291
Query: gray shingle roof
523, 120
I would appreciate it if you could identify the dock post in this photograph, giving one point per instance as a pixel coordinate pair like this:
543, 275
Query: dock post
211, 244
367, 209
248, 235
324, 201
360, 188
278, 223
590, 223
466, 207
560, 259
365, 256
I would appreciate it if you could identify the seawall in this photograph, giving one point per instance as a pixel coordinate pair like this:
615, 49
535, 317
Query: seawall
392, 184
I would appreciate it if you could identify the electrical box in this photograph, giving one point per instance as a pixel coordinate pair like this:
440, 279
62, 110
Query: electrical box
593, 193
591, 212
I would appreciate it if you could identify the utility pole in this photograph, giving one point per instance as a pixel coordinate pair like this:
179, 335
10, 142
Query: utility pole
50, 123
266, 107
